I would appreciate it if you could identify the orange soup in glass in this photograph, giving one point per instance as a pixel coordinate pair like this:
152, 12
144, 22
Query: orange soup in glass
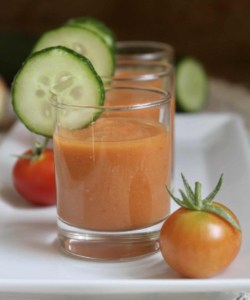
111, 176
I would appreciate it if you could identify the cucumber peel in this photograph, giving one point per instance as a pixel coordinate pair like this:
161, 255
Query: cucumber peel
96, 26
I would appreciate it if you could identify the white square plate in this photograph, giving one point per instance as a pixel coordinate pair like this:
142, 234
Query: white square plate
31, 262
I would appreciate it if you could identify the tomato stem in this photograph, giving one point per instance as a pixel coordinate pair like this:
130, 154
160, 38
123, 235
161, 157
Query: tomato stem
39, 147
193, 200
197, 192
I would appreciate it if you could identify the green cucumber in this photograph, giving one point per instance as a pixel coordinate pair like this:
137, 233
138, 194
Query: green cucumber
85, 42
56, 73
96, 26
190, 84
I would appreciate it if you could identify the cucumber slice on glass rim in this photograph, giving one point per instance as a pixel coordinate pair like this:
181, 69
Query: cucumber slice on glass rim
61, 74
96, 26
191, 85
83, 41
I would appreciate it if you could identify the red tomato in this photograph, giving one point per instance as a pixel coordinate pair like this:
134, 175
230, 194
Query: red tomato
34, 179
199, 244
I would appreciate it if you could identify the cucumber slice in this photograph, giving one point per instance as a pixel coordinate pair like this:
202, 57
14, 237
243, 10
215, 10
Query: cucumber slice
96, 26
59, 73
84, 42
191, 85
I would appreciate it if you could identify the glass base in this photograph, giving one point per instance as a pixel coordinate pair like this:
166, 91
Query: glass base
102, 245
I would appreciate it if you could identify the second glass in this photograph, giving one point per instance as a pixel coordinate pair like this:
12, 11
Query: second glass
146, 74
144, 51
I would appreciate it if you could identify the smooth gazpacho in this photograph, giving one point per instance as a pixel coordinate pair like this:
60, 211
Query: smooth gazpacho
111, 175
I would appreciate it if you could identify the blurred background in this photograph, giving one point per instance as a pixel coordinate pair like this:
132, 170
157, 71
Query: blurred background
214, 31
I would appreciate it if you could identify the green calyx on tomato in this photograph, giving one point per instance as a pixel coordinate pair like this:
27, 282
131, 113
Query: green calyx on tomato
37, 150
192, 200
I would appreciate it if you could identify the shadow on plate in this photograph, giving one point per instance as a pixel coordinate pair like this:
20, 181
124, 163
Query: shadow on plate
12, 198
36, 237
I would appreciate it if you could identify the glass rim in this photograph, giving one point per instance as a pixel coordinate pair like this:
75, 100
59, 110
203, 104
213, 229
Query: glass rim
167, 70
164, 99
159, 49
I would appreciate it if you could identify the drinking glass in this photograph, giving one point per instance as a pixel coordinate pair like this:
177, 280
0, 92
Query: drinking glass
111, 174
150, 51
144, 51
146, 74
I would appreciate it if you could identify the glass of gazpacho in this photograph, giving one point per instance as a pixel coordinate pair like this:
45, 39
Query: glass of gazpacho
111, 174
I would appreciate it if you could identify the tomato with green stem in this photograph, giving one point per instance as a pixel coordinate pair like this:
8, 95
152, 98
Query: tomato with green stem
34, 176
201, 238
